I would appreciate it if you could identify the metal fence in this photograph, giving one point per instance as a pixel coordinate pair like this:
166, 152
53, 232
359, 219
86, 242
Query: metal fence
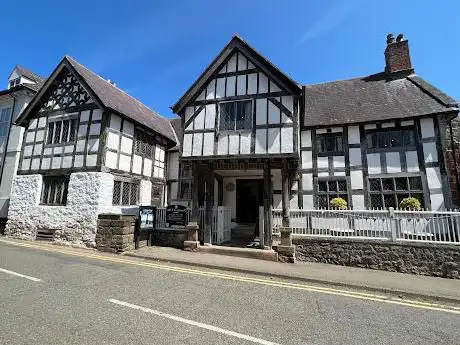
396, 225
220, 226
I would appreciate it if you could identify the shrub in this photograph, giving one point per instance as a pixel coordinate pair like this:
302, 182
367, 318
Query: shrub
338, 204
410, 204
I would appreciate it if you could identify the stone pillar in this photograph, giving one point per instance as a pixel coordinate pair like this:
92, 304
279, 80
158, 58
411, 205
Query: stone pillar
267, 203
115, 233
286, 250
285, 190
192, 242
208, 206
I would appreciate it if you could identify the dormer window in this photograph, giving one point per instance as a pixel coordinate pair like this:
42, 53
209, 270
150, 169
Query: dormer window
236, 115
15, 82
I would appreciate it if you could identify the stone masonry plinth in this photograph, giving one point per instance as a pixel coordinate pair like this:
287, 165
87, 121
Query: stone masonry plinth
115, 233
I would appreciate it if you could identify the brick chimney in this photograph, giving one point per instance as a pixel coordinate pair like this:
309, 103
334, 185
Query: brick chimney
397, 56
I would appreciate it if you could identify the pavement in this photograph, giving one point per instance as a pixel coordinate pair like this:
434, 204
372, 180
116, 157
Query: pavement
407, 285
56, 295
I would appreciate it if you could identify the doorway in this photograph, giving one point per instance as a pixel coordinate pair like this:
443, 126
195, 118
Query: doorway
249, 196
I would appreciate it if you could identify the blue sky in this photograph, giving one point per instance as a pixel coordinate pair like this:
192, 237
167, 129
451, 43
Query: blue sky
154, 50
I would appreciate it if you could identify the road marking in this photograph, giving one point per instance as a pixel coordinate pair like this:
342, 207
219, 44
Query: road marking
20, 275
260, 281
194, 323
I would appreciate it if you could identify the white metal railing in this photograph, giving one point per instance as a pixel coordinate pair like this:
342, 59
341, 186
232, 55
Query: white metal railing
220, 226
423, 226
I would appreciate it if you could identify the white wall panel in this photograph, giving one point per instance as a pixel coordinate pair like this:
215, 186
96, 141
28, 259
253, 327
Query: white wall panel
126, 145
263, 83
199, 120
125, 163
208, 145
273, 144
222, 145
358, 202
56, 162
306, 139
188, 113
307, 182
245, 143
287, 141
234, 143
355, 157
46, 163
147, 171
437, 202
252, 83
433, 176
323, 162
274, 113
307, 162
373, 163
412, 161
115, 122
97, 115
241, 85
274, 87
137, 164
66, 162
231, 64
230, 91
197, 144
430, 152
307, 202
187, 145
427, 127
288, 102
353, 135
110, 159
261, 141
242, 62
261, 111
338, 161
91, 160
210, 116
220, 89
356, 179
210, 89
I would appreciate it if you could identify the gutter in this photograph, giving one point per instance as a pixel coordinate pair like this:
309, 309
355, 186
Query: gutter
7, 138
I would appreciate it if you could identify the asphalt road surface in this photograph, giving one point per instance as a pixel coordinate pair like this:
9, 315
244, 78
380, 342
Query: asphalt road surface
63, 296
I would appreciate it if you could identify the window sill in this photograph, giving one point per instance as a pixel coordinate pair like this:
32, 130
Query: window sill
60, 144
239, 131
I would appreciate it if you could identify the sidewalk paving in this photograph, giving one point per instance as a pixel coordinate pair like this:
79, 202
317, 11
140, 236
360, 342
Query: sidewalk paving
406, 285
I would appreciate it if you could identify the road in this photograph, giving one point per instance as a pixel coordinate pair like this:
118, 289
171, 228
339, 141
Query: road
65, 296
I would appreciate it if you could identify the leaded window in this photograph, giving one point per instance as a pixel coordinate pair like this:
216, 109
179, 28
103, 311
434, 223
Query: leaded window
329, 189
144, 144
125, 193
389, 191
329, 142
54, 190
185, 182
157, 195
236, 115
15, 82
392, 138
62, 131
4, 121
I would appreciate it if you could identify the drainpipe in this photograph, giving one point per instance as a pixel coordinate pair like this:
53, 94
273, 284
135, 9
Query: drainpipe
455, 159
7, 139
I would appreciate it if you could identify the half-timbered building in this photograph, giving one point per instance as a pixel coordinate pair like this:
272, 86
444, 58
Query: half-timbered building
88, 148
251, 136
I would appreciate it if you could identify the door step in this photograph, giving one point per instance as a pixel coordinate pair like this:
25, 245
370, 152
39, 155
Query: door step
45, 235
251, 253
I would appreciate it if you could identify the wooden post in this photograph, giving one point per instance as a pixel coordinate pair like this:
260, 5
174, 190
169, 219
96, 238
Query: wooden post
267, 203
285, 195
209, 205
261, 227
195, 207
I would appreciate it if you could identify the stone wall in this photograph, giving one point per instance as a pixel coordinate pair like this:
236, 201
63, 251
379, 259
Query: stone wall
170, 237
89, 193
405, 257
115, 233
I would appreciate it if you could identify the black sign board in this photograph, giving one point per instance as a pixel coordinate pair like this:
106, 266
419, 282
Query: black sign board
147, 218
176, 215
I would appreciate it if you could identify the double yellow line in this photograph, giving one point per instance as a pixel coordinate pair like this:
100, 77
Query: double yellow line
260, 281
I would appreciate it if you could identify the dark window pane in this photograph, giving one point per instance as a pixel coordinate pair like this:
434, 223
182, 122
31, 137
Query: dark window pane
185, 190
342, 185
408, 137
376, 201
73, 129
400, 197
332, 185
389, 200
49, 140
125, 194
57, 132
243, 115
387, 184
65, 130
322, 186
384, 139
116, 193
374, 184
227, 116
401, 183
371, 139
419, 197
133, 199
395, 138
338, 145
415, 183
322, 201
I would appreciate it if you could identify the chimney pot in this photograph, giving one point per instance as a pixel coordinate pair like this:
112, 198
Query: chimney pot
390, 38
399, 38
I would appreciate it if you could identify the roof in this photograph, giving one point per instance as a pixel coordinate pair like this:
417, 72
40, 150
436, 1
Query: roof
31, 87
28, 74
116, 99
35, 87
373, 98
176, 124
109, 96
256, 58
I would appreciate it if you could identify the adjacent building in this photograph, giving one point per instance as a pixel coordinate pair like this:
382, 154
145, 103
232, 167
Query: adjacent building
22, 85
88, 148
251, 136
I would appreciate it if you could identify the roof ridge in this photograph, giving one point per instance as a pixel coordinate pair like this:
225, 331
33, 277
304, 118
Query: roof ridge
339, 80
25, 70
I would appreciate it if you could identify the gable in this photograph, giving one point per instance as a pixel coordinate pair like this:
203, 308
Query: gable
236, 57
65, 92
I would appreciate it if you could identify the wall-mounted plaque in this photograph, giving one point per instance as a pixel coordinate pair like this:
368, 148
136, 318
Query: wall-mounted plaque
176, 215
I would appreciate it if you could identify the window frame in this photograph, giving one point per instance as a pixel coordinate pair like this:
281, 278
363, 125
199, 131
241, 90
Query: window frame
144, 139
72, 119
398, 194
185, 178
325, 136
235, 107
7, 121
381, 132
126, 183
330, 194
48, 183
